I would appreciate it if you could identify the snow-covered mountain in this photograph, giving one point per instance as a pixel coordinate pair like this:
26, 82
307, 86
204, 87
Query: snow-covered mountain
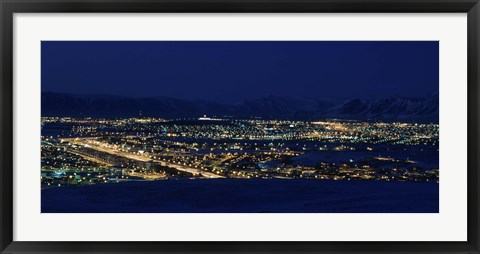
268, 107
290, 107
387, 109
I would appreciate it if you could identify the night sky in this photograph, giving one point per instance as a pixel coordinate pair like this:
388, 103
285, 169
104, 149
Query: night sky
231, 72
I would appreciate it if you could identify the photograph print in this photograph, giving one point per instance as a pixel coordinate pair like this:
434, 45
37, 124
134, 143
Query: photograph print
240, 127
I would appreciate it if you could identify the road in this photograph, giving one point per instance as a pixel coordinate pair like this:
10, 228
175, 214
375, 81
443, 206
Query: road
88, 157
104, 147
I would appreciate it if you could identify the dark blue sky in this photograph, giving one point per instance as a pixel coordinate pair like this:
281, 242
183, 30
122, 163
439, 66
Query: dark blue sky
235, 71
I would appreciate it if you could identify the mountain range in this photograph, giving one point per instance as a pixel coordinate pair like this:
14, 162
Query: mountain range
268, 107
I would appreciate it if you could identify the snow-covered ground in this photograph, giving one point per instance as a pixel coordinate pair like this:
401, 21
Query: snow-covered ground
244, 196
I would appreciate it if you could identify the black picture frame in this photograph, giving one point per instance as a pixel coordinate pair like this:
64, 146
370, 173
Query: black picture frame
9, 7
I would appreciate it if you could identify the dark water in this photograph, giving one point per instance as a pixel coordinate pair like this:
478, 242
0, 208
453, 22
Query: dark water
56, 129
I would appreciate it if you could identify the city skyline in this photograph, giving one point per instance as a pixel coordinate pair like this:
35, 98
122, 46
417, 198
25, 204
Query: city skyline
240, 127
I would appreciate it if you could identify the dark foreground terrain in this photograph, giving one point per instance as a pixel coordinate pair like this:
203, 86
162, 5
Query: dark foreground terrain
245, 196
